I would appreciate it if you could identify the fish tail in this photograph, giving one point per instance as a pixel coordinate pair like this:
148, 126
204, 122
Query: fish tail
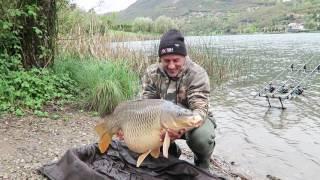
105, 136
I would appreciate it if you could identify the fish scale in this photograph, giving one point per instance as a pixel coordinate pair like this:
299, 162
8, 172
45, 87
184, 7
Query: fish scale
142, 122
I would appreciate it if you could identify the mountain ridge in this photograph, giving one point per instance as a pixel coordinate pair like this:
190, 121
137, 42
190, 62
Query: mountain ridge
224, 15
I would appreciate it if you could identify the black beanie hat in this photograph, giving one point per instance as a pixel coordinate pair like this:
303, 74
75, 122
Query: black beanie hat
172, 42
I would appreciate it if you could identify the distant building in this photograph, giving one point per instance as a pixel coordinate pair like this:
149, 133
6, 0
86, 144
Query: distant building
296, 27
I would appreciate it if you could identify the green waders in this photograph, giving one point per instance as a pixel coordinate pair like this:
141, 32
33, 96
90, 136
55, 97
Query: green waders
200, 141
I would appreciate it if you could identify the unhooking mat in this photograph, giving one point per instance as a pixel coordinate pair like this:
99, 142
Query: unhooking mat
119, 163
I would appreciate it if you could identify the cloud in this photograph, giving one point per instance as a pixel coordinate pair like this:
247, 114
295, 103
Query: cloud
103, 6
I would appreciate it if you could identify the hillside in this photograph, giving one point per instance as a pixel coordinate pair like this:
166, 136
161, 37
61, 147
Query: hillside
177, 8
228, 16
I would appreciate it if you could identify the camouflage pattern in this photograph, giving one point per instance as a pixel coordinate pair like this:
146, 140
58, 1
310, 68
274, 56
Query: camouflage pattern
190, 89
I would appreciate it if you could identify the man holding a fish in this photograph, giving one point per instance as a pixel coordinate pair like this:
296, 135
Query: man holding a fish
178, 79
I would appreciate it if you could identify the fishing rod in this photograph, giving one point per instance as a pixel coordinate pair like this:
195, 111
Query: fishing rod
297, 89
295, 86
269, 86
281, 86
270, 83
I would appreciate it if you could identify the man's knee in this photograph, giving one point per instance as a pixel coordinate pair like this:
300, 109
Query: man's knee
202, 139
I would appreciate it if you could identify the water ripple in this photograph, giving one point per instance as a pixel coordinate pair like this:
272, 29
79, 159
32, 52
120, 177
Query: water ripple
284, 143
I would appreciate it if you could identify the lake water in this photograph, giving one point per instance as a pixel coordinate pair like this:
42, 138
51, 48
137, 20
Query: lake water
259, 139
263, 140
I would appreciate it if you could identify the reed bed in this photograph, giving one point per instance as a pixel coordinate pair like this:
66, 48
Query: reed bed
102, 47
220, 67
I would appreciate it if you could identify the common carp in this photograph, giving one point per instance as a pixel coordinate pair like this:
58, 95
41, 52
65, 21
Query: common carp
142, 122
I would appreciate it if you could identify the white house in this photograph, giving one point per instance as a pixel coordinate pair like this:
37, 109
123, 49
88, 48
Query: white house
295, 27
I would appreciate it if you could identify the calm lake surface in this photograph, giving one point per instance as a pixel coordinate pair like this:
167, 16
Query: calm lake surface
259, 139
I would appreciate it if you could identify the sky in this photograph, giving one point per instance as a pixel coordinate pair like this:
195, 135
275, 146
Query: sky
103, 6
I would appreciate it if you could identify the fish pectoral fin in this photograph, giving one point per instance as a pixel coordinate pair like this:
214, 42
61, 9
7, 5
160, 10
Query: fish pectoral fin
104, 143
142, 157
155, 153
105, 136
166, 145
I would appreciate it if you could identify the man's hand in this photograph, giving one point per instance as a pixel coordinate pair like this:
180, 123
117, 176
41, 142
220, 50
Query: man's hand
172, 134
120, 135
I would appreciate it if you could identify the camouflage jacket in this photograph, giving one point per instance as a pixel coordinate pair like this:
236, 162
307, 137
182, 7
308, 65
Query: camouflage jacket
190, 89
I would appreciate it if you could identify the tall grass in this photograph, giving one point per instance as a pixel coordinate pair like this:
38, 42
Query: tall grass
101, 47
104, 83
219, 66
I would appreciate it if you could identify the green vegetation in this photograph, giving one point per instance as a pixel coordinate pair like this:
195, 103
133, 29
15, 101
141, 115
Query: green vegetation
27, 84
160, 25
27, 91
28, 31
103, 83
163, 24
219, 67
27, 41
142, 24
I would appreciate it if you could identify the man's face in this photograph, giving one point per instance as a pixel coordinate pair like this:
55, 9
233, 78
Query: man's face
172, 64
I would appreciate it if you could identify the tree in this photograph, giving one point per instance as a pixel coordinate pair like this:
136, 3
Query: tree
142, 24
38, 32
163, 24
